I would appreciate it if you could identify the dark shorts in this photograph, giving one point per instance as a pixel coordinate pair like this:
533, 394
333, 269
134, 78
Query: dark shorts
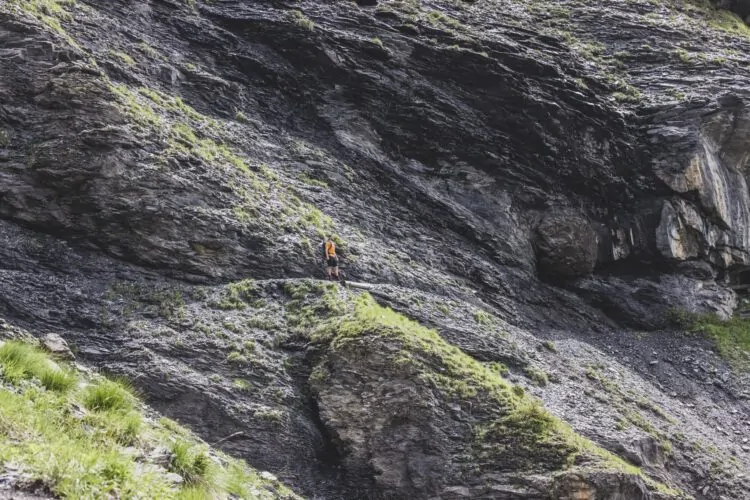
333, 262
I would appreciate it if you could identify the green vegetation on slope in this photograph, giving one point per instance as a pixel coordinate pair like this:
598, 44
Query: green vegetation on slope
50, 13
88, 437
519, 430
720, 19
732, 338
261, 196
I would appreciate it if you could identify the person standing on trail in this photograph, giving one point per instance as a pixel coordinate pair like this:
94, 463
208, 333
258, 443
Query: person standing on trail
331, 260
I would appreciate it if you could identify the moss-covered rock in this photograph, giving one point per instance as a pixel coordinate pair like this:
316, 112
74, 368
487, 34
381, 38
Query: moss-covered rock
412, 415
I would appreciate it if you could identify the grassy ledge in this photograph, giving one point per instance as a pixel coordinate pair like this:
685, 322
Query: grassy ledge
732, 337
517, 430
84, 436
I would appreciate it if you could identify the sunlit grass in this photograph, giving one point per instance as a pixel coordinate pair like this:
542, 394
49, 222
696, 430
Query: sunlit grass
86, 441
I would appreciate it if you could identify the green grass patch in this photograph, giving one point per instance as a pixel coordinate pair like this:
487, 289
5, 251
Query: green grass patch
50, 13
236, 295
237, 358
311, 303
684, 56
241, 384
537, 376
20, 361
302, 20
191, 461
125, 58
732, 338
186, 132
436, 17
498, 368
87, 441
549, 345
108, 395
483, 317
310, 181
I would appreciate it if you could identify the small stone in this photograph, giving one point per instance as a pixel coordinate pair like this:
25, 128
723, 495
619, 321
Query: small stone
58, 346
654, 362
160, 456
174, 478
458, 491
673, 394
268, 476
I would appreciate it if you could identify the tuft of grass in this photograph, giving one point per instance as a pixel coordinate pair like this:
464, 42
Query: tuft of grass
148, 49
625, 98
236, 357
549, 345
122, 427
537, 376
684, 56
483, 317
302, 20
269, 415
498, 368
436, 17
20, 361
192, 463
728, 22
109, 395
58, 379
443, 308
236, 295
241, 384
312, 181
125, 58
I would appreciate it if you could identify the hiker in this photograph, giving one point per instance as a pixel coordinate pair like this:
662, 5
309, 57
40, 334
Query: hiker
331, 260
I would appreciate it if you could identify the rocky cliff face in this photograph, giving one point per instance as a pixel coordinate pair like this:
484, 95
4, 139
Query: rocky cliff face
542, 183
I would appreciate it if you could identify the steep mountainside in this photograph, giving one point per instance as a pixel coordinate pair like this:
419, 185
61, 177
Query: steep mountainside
552, 192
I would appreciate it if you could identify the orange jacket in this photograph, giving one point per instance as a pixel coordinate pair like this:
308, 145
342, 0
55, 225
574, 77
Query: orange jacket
330, 249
